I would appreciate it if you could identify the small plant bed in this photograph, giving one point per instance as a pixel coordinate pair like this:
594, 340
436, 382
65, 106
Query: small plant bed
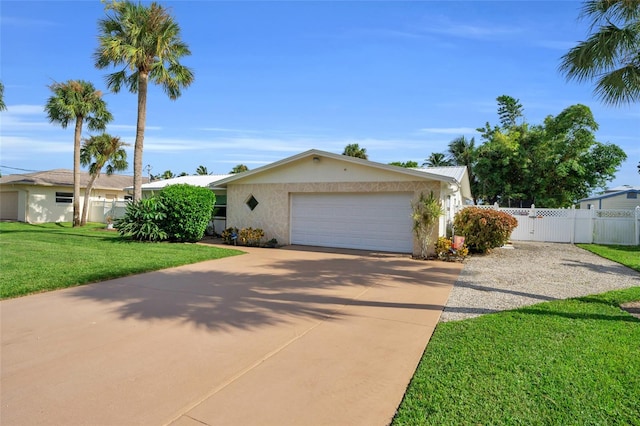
574, 361
37, 258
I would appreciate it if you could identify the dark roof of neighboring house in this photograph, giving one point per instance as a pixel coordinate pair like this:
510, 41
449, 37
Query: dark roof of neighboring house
64, 177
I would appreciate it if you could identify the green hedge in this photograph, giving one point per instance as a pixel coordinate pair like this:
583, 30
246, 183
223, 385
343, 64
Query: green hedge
484, 229
188, 210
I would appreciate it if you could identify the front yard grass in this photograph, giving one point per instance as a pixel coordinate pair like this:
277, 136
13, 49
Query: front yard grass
37, 258
568, 362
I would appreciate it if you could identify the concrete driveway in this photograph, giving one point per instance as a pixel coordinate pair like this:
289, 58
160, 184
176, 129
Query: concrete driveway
272, 337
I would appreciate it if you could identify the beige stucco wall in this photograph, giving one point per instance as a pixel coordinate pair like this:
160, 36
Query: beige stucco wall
273, 211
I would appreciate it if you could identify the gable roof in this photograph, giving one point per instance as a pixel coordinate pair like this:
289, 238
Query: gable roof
438, 175
206, 181
64, 177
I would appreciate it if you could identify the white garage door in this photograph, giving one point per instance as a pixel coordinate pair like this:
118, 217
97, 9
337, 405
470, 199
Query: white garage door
353, 220
9, 205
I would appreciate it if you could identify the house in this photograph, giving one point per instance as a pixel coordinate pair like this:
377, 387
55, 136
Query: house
48, 196
323, 199
621, 197
206, 181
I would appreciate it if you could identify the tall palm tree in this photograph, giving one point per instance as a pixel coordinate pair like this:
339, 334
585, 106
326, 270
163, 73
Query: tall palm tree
168, 174
145, 41
202, 171
79, 101
437, 159
611, 55
3, 106
354, 150
96, 152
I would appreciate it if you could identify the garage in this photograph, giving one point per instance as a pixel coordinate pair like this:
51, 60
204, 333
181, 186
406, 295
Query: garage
367, 221
9, 205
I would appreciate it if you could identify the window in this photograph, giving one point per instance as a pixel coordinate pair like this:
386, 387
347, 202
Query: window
252, 203
220, 207
64, 197
632, 195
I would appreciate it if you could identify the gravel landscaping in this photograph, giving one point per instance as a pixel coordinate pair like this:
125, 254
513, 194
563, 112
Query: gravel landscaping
527, 273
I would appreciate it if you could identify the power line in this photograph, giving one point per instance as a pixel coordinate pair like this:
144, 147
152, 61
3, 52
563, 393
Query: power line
15, 168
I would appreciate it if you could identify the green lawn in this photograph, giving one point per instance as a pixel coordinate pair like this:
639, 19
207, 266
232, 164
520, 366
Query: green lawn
627, 255
568, 362
36, 258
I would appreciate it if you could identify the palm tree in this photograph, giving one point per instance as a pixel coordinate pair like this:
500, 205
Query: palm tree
168, 174
462, 152
354, 150
3, 107
239, 169
96, 152
610, 55
437, 159
202, 171
145, 41
77, 100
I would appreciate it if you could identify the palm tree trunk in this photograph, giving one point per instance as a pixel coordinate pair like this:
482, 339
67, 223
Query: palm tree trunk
76, 172
137, 151
87, 194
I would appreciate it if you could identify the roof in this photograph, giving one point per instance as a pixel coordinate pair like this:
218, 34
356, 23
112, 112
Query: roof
622, 188
206, 181
428, 173
611, 193
64, 177
456, 172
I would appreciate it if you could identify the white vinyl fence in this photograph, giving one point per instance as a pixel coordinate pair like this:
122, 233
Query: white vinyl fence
99, 210
575, 225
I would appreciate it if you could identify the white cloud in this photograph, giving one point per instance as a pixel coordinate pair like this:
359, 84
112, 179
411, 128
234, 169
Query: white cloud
444, 26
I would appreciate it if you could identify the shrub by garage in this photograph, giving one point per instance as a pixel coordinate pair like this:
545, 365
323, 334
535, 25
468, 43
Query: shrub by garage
484, 229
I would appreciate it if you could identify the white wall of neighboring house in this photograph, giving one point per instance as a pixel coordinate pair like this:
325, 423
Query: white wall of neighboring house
39, 204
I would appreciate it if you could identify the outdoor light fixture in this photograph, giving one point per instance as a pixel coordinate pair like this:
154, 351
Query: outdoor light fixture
316, 159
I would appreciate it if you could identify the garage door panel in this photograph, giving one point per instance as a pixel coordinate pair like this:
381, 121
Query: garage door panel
353, 220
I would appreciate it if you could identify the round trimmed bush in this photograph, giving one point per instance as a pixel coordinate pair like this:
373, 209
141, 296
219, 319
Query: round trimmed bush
188, 210
484, 229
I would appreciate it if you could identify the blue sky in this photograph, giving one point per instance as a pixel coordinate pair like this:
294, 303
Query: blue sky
401, 79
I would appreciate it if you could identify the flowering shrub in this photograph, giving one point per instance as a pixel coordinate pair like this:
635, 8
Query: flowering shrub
484, 229
444, 251
244, 237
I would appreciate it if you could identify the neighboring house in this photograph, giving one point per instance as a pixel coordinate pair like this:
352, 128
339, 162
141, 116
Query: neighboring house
621, 197
48, 196
206, 181
319, 198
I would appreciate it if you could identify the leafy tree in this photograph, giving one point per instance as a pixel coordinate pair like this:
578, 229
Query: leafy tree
407, 164
426, 213
509, 111
145, 41
354, 150
77, 101
437, 159
168, 174
551, 165
96, 152
239, 169
202, 171
610, 55
3, 106
183, 174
